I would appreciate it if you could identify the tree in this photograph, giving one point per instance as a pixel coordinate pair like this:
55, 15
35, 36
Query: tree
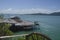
4, 28
1, 16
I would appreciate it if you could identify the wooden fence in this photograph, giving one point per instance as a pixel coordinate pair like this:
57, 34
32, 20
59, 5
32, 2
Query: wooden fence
32, 36
37, 36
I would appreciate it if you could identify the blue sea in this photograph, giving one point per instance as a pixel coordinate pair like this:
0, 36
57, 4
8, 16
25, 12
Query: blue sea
49, 25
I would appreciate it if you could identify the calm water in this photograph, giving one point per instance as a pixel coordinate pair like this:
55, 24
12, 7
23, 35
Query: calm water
49, 25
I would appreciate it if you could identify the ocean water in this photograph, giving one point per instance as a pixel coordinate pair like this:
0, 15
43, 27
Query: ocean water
49, 25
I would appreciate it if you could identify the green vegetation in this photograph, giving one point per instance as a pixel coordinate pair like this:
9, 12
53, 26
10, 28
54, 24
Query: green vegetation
20, 38
1, 16
4, 28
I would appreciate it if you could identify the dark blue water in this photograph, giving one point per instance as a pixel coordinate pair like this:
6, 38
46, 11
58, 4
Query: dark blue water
49, 25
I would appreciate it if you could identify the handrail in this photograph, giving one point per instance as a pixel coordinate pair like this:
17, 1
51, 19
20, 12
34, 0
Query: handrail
38, 34
13, 36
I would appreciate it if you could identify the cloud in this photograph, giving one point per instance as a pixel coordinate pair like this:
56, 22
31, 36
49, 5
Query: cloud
25, 11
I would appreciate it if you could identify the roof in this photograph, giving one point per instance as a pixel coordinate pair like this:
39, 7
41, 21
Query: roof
15, 17
23, 23
7, 21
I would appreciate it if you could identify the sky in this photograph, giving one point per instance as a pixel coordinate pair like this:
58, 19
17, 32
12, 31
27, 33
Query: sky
29, 6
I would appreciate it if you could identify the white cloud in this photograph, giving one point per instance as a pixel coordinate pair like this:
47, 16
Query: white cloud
25, 11
9, 9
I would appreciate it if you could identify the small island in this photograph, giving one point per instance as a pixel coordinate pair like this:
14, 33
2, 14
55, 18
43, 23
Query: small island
49, 14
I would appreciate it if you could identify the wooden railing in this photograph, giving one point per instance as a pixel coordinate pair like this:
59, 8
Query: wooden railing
14, 37
37, 36
32, 36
